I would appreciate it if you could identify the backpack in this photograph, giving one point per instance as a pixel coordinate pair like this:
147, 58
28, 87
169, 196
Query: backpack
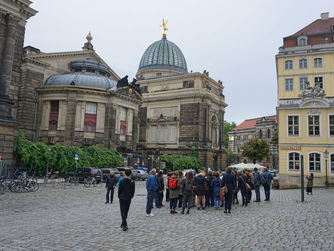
263, 181
188, 186
172, 183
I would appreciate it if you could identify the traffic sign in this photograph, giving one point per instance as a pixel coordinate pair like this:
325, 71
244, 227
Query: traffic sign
76, 156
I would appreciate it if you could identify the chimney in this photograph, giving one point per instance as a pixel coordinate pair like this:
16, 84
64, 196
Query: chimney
324, 16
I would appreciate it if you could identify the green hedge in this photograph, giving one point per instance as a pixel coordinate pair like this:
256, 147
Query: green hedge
34, 156
180, 162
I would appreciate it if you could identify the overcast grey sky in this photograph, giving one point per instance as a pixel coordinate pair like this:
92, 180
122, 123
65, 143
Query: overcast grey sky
236, 41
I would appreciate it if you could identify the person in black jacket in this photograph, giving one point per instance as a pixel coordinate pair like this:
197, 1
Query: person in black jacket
161, 188
228, 181
110, 186
126, 191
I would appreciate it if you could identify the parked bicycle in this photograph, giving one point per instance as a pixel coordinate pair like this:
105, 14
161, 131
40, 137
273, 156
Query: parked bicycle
24, 184
90, 181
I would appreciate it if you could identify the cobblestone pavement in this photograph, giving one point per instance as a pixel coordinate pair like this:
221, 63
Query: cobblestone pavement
76, 218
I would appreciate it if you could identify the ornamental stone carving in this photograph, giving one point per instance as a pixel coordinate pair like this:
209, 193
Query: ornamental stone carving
312, 92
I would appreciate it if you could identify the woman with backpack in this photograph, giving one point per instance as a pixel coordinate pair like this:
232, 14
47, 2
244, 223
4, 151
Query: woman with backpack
200, 192
174, 191
215, 184
187, 191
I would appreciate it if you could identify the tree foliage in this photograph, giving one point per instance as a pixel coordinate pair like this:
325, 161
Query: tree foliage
255, 149
227, 128
180, 162
34, 156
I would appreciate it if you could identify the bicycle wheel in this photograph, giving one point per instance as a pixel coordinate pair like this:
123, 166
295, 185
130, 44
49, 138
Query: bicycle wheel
94, 182
33, 186
87, 182
15, 187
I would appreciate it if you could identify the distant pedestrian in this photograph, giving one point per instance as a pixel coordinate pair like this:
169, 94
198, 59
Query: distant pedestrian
200, 191
110, 186
161, 188
180, 199
152, 189
309, 184
187, 191
236, 190
126, 192
268, 177
209, 196
243, 187
169, 175
174, 191
120, 178
256, 181
249, 181
215, 184
228, 182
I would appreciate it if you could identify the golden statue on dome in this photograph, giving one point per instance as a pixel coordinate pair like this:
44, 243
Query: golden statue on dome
164, 25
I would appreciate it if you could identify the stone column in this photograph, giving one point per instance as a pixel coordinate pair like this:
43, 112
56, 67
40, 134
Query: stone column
6, 68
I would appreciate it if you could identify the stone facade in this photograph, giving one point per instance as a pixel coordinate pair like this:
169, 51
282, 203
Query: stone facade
258, 128
13, 17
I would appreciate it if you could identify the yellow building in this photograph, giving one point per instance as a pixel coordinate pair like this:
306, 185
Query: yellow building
305, 76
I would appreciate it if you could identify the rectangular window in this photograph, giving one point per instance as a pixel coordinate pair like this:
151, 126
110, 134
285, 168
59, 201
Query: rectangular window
289, 84
331, 125
332, 162
314, 125
319, 81
54, 111
293, 125
294, 161
315, 162
90, 117
303, 63
122, 117
302, 83
288, 65
317, 63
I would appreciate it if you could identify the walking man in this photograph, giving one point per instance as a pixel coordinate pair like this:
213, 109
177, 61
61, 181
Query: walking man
126, 191
110, 186
268, 177
257, 184
152, 189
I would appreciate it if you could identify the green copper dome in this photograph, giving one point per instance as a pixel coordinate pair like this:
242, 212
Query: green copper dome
163, 54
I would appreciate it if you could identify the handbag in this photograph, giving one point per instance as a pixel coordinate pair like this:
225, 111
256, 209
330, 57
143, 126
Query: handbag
248, 187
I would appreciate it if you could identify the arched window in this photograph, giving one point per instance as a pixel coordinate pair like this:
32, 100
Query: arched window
294, 161
302, 42
260, 134
268, 134
314, 162
214, 133
54, 111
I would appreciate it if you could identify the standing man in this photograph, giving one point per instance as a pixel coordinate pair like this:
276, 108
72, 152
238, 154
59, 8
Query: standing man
152, 189
256, 181
110, 186
161, 188
126, 191
268, 177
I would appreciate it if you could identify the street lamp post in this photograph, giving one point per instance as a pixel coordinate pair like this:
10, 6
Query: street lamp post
326, 158
47, 167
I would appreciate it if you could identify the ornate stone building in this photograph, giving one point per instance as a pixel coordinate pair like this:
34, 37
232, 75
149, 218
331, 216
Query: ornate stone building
13, 18
181, 110
257, 128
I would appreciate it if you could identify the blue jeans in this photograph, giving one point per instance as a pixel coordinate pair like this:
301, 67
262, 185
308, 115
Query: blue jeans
216, 201
149, 204
244, 196
257, 192
267, 191
172, 203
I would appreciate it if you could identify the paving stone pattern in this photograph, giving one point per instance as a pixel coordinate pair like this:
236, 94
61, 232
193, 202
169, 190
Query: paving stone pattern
76, 218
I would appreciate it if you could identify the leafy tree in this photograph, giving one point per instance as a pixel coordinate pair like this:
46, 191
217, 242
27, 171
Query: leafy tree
231, 157
227, 128
180, 162
255, 149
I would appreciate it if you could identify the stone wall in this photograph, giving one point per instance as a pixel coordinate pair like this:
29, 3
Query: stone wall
189, 124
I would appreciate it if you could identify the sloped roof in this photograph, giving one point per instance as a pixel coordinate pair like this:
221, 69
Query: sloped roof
250, 123
319, 26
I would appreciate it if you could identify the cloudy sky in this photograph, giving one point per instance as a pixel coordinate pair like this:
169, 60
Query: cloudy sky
236, 41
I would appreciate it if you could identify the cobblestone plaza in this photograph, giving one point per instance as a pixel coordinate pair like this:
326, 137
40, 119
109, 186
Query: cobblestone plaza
76, 218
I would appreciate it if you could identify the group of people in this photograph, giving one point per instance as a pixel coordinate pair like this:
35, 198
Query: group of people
212, 189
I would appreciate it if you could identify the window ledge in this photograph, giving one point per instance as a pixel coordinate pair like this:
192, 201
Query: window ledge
89, 135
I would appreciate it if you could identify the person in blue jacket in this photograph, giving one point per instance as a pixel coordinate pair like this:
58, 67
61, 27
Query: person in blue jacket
228, 181
215, 184
268, 177
152, 189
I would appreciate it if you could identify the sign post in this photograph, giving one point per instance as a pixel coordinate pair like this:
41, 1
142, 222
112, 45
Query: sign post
76, 157
124, 161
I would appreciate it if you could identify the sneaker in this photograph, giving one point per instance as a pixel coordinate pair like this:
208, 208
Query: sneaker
147, 215
106, 202
188, 211
125, 228
151, 214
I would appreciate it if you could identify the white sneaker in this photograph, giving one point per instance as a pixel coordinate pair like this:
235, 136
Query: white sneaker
151, 214
147, 215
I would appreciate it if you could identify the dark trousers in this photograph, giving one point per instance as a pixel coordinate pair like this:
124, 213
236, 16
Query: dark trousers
209, 198
172, 203
244, 196
160, 198
235, 197
167, 194
228, 200
149, 203
187, 201
249, 193
180, 199
124, 205
111, 191
257, 192
267, 191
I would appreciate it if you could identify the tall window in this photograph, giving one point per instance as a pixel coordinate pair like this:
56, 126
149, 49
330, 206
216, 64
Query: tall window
289, 84
314, 162
317, 63
268, 133
332, 162
303, 63
90, 117
122, 121
302, 83
54, 111
331, 125
302, 42
294, 161
319, 81
260, 134
314, 125
288, 64
293, 125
